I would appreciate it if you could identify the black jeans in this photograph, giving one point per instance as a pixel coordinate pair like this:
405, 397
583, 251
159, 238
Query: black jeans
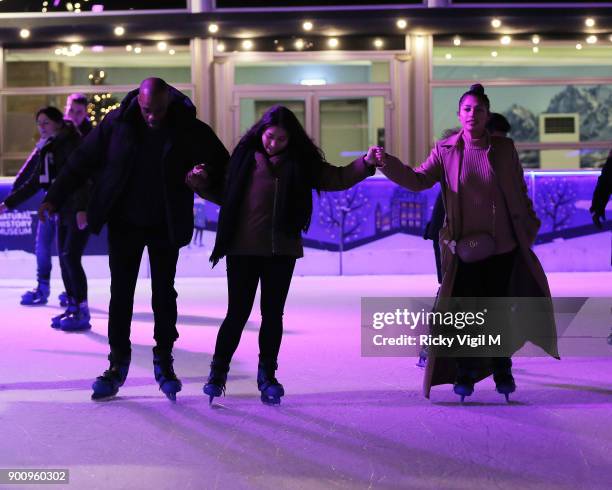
486, 278
71, 243
244, 272
126, 244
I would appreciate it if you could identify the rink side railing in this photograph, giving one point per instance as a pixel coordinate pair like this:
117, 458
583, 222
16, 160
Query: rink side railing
373, 210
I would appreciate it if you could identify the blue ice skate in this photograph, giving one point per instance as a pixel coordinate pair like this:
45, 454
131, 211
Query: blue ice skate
76, 320
36, 297
504, 382
108, 384
163, 369
215, 385
271, 390
64, 299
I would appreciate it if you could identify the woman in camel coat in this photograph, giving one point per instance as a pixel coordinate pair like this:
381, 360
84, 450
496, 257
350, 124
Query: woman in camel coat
525, 276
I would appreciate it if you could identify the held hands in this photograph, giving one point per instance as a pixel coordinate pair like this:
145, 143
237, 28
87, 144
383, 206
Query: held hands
197, 178
200, 170
375, 156
81, 219
46, 210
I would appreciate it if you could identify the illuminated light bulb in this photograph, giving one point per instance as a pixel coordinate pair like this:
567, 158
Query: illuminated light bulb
333, 42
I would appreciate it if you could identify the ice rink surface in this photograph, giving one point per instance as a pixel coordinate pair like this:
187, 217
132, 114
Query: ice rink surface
346, 421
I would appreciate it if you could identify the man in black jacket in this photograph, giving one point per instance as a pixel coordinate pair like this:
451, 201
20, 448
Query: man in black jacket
138, 157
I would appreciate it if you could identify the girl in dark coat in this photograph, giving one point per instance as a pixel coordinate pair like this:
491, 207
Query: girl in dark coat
265, 207
59, 139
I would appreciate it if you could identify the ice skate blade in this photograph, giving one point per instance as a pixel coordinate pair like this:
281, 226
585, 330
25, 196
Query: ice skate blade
84, 328
171, 397
170, 393
102, 398
212, 391
270, 400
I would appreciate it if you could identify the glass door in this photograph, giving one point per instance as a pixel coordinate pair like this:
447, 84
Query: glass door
348, 126
343, 125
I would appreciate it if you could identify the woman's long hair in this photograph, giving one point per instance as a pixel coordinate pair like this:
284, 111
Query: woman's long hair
300, 147
53, 113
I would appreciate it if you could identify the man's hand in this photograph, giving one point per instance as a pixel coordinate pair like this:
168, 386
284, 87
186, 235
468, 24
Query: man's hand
81, 219
46, 210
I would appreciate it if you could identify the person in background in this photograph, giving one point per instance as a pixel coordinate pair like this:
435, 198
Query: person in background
59, 139
199, 221
601, 196
75, 111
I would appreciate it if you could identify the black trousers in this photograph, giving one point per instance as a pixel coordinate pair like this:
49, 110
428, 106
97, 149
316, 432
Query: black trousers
244, 272
71, 243
486, 278
126, 244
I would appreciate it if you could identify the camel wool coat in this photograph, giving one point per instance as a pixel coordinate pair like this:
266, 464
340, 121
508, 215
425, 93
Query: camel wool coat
443, 165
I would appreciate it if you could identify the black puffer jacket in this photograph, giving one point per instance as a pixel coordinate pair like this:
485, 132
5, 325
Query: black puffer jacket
108, 153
